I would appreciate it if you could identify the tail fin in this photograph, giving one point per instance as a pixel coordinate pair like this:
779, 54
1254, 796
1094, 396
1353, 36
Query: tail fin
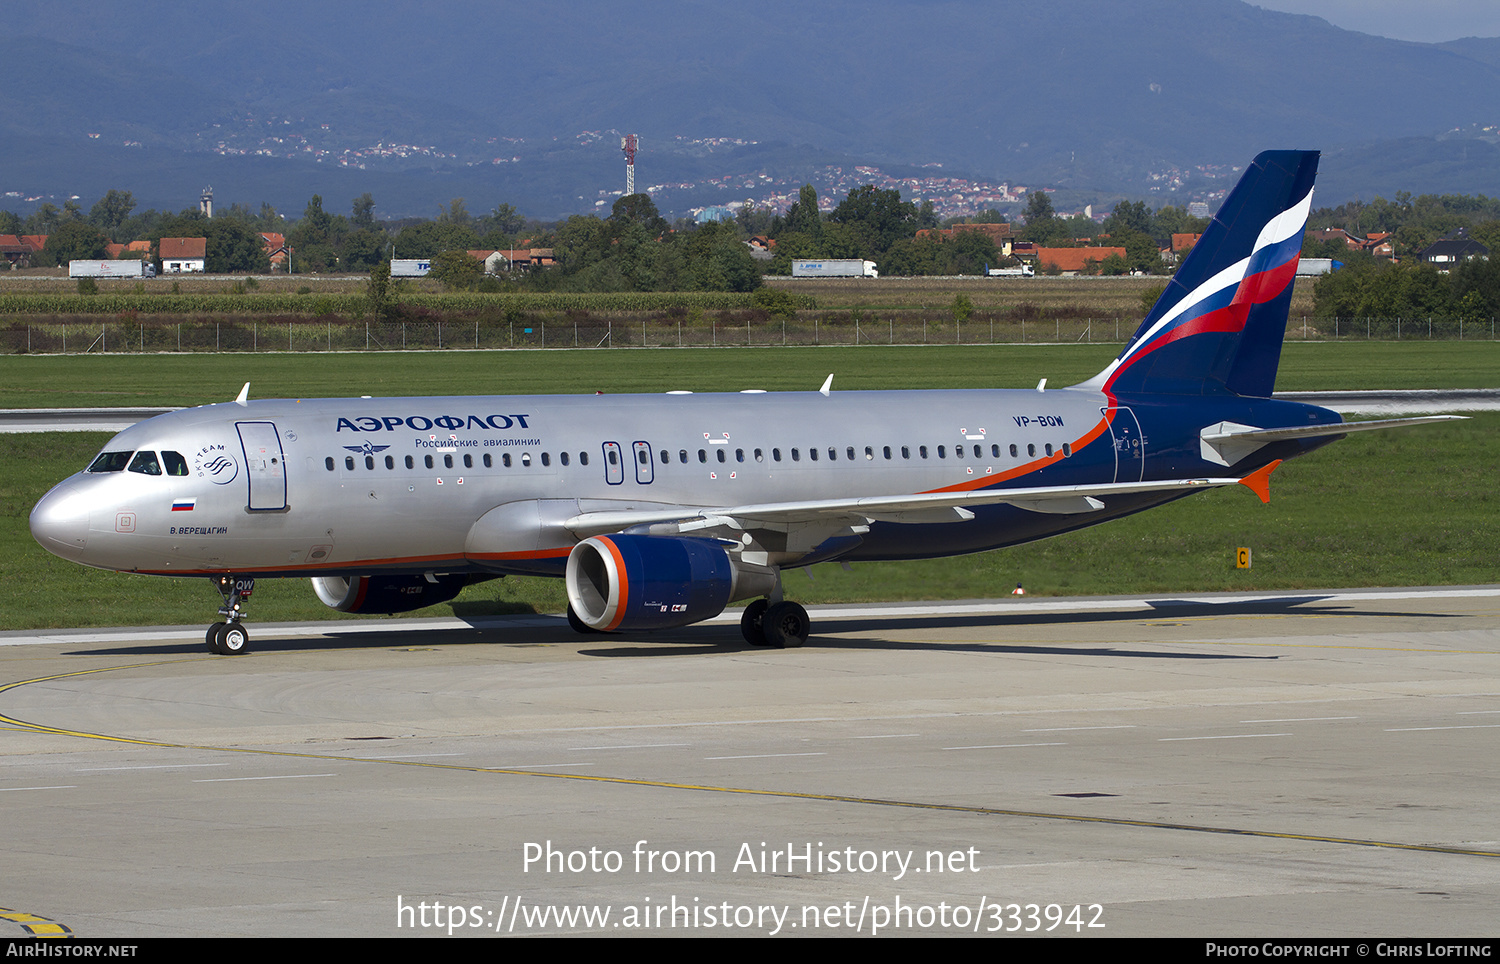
1219, 325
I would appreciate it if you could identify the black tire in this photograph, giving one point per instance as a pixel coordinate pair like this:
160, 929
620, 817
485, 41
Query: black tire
211, 638
577, 623
753, 622
232, 640
786, 625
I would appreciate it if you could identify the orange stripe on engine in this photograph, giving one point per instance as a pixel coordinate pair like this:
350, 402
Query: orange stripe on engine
623, 593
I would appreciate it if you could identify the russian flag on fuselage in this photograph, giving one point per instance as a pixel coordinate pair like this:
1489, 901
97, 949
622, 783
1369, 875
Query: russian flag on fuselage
1219, 325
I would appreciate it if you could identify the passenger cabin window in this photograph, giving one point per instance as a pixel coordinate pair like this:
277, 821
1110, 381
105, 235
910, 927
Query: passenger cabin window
329, 463
110, 462
349, 462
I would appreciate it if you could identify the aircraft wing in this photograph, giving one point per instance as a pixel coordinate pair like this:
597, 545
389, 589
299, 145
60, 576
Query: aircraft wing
921, 507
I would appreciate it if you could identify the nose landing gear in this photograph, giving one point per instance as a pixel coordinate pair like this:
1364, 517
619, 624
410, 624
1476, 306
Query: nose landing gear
229, 638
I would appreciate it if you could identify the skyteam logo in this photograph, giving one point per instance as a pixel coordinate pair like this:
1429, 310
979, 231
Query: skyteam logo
213, 462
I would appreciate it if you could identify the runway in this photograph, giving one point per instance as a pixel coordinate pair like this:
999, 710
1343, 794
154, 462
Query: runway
1307, 764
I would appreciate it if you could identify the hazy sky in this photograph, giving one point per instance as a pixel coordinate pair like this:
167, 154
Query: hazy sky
1429, 21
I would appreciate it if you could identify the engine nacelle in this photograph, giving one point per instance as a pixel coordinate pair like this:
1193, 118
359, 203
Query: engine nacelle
386, 594
630, 582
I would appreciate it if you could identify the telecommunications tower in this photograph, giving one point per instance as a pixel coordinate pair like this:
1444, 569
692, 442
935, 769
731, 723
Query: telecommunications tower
628, 145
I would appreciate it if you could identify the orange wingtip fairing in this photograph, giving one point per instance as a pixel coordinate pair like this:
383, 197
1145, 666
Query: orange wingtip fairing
1259, 481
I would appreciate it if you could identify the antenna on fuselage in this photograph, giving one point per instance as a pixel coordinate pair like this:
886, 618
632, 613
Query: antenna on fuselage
827, 385
243, 396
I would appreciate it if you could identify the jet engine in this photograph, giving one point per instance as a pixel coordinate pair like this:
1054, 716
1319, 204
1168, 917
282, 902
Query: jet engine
628, 582
386, 594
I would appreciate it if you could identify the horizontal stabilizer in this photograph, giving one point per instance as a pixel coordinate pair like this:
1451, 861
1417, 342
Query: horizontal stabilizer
1228, 442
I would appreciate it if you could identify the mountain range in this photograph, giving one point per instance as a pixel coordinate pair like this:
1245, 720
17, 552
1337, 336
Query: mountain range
506, 102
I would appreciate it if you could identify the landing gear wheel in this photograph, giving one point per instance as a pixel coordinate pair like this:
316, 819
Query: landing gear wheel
212, 637
232, 639
753, 622
786, 625
577, 623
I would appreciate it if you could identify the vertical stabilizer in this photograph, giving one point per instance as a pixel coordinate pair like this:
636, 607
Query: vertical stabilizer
1218, 327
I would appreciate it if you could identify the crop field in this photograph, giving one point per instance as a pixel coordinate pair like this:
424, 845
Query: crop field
1412, 507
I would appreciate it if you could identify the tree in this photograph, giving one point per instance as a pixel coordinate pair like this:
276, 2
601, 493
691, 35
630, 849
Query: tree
878, 219
802, 217
363, 214
457, 213
73, 241
234, 247
110, 211
1129, 216
425, 239
1039, 207
459, 270
507, 220
638, 209
377, 289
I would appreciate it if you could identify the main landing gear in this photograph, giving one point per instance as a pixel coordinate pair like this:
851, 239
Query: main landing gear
229, 638
783, 624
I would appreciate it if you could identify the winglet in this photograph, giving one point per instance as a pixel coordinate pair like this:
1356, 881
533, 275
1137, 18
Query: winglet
827, 385
244, 395
1259, 481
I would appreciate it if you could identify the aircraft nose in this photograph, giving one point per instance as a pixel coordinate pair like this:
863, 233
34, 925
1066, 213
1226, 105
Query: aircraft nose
60, 522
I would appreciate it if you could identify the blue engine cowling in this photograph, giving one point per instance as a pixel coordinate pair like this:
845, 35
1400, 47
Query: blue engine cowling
386, 594
625, 582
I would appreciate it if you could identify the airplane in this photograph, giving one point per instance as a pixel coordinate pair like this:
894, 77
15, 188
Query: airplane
660, 510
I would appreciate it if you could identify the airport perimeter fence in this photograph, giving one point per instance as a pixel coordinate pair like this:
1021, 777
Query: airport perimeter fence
118, 336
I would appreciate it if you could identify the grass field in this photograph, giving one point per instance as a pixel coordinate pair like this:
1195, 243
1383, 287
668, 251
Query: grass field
88, 381
1411, 507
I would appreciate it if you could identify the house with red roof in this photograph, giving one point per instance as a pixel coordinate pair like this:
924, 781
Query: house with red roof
183, 255
1075, 260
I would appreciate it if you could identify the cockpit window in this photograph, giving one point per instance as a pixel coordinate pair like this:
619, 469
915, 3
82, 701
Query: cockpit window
175, 463
145, 463
110, 462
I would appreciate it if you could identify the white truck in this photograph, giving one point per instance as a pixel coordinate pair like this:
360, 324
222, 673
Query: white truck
1024, 271
124, 268
834, 269
410, 267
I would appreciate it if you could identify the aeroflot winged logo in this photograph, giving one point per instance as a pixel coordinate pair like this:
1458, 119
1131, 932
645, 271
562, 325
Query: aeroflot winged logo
424, 423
